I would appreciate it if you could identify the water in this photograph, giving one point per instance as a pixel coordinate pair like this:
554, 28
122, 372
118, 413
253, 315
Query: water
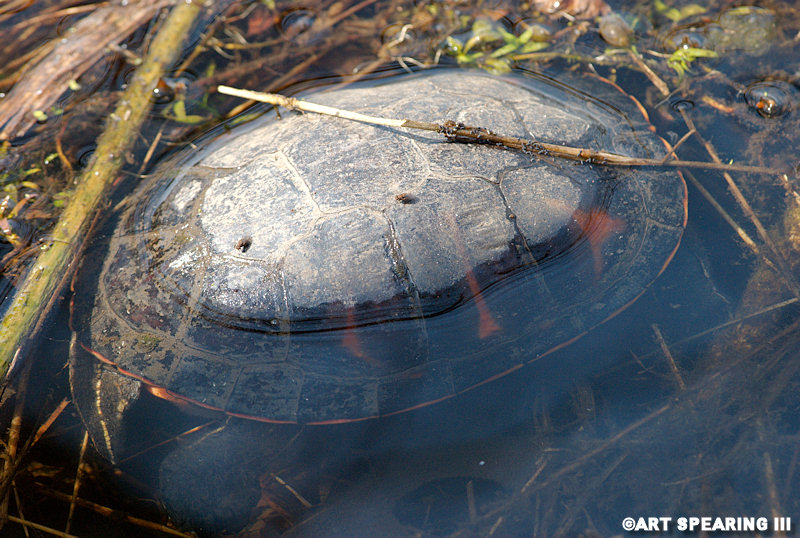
688, 406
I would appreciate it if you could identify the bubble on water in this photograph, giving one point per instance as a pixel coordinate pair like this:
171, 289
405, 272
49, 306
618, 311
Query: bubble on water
679, 105
615, 31
685, 37
168, 87
771, 99
296, 21
85, 154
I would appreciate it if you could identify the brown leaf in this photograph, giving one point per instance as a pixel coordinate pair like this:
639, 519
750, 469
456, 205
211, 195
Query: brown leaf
69, 57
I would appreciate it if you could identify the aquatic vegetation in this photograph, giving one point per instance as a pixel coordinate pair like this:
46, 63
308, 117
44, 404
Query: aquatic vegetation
679, 14
684, 56
490, 46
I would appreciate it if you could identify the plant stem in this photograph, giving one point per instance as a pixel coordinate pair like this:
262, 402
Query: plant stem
43, 282
457, 132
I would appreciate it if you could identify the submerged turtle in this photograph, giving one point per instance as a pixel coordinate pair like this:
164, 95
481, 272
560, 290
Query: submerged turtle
312, 270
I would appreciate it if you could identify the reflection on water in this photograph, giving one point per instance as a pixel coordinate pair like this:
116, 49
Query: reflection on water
684, 404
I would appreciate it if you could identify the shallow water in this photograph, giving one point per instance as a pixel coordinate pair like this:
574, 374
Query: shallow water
684, 404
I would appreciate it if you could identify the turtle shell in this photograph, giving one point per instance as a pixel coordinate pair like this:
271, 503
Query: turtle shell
309, 269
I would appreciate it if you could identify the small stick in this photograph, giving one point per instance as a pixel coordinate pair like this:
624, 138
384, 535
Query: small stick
471, 505
677, 144
110, 513
668, 354
743, 235
76, 485
293, 491
649, 73
458, 132
785, 271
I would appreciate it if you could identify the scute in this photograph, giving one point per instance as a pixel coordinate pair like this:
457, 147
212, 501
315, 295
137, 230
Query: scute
463, 221
273, 212
343, 261
384, 269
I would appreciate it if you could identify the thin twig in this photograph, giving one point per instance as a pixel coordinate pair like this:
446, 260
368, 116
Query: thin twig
76, 486
111, 513
170, 440
785, 271
49, 422
293, 491
743, 235
12, 453
649, 73
732, 322
43, 528
462, 133
576, 463
769, 474
671, 153
670, 359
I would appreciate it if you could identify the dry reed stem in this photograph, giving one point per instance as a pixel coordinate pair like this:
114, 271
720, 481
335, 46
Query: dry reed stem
670, 359
115, 515
13, 454
48, 273
463, 133
785, 272
76, 485
67, 59
743, 235
43, 528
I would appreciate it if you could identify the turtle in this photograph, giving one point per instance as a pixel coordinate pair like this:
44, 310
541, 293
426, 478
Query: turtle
303, 269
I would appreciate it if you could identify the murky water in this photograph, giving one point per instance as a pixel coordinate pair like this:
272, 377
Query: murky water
684, 404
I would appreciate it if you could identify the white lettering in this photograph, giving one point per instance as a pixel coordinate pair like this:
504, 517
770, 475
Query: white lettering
652, 524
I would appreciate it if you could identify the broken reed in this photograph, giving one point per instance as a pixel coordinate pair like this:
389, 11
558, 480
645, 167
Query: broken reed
458, 132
